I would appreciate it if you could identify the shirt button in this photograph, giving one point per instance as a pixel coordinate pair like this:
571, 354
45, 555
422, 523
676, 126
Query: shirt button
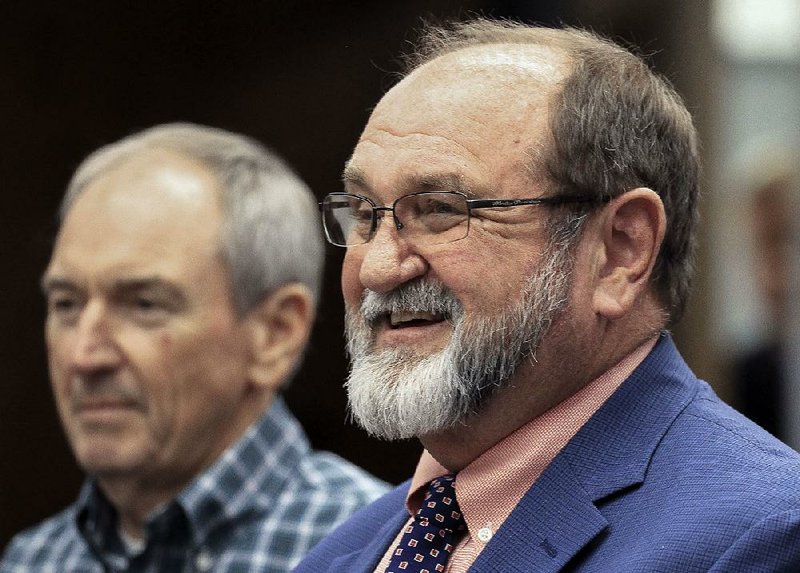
204, 561
485, 534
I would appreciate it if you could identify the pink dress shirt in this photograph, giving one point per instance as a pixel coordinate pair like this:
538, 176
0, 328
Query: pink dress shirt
490, 487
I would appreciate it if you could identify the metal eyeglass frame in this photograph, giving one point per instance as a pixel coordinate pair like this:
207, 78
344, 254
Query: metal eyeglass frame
471, 204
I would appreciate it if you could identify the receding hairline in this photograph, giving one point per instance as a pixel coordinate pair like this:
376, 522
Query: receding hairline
195, 143
157, 151
515, 54
435, 41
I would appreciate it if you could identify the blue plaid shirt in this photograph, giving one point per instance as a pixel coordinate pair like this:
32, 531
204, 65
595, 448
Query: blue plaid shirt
260, 507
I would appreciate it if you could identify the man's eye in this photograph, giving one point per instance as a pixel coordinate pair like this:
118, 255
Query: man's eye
441, 205
148, 306
441, 208
62, 304
145, 303
361, 214
151, 309
64, 308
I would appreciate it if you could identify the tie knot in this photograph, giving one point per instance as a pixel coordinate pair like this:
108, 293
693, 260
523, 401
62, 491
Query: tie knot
440, 508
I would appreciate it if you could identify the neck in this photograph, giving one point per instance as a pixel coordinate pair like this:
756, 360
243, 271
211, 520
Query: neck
537, 386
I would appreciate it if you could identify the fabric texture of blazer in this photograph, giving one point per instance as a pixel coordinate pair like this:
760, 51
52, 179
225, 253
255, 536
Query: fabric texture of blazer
664, 477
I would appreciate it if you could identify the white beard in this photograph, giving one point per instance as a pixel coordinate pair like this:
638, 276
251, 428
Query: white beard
398, 393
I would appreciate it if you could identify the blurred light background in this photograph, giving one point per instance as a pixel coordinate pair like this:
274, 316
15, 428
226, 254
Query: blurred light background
302, 76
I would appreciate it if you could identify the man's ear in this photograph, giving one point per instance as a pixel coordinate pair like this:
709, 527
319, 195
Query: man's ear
631, 233
279, 328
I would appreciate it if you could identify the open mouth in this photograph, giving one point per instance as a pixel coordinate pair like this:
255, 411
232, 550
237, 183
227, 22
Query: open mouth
408, 318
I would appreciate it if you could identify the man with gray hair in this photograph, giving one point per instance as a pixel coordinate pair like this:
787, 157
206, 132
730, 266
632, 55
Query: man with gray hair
180, 296
519, 215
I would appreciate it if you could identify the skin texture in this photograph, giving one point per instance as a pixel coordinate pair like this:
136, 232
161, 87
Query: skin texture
460, 123
153, 371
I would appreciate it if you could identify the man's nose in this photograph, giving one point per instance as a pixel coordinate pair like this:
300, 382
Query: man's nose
389, 260
94, 345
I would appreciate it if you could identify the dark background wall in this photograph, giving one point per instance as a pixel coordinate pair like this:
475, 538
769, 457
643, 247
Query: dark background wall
300, 76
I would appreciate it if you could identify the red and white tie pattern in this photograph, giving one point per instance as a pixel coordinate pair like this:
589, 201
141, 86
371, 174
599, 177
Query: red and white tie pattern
428, 541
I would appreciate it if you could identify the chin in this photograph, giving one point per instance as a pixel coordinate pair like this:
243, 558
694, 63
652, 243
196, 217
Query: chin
99, 457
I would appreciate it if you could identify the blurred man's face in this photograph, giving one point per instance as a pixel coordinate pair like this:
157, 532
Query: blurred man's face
435, 329
147, 357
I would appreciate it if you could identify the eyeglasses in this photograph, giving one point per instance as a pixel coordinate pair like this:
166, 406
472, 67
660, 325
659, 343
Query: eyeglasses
426, 218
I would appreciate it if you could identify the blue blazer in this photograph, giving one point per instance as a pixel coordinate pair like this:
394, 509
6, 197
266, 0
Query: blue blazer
663, 478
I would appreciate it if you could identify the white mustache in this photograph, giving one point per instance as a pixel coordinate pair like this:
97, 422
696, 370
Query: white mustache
415, 297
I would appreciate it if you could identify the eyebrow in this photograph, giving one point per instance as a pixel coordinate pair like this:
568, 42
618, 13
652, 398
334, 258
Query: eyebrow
441, 182
354, 176
156, 283
50, 283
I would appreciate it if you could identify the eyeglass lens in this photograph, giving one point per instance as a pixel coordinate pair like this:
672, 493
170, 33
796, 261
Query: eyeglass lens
347, 219
424, 218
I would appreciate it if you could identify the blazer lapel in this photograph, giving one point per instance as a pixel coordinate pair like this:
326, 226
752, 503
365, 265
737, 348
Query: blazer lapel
365, 559
562, 513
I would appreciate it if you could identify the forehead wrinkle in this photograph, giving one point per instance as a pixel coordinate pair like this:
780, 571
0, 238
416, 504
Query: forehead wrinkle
414, 175
384, 128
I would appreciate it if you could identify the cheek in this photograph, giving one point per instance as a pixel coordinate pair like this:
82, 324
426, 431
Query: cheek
59, 383
162, 357
166, 342
163, 367
351, 284
58, 356
171, 380
207, 363
484, 280
57, 344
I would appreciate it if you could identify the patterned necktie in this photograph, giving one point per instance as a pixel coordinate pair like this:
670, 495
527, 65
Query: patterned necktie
428, 541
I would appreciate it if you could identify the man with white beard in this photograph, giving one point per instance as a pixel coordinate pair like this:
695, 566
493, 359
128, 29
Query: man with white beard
519, 216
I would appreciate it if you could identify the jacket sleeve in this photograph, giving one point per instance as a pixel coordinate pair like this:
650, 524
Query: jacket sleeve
771, 545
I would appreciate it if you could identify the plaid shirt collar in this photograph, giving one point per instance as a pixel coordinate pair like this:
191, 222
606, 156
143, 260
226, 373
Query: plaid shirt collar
248, 476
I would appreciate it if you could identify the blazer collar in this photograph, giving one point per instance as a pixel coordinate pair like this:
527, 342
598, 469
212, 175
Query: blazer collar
613, 449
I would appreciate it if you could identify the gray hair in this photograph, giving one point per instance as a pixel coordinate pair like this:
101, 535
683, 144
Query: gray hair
270, 231
615, 125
